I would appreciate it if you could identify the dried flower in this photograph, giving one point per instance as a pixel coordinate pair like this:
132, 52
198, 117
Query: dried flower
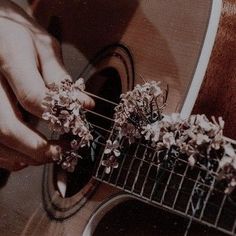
168, 139
65, 114
138, 117
112, 148
141, 106
139, 114
109, 164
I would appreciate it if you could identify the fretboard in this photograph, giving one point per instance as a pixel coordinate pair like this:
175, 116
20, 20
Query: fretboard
173, 185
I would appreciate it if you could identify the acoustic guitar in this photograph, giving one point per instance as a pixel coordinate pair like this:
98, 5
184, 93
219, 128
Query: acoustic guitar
115, 45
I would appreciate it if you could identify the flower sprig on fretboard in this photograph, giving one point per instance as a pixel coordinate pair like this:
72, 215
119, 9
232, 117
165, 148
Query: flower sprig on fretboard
138, 108
139, 117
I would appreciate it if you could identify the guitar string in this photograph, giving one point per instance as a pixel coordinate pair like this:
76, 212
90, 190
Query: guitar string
211, 187
141, 144
184, 191
110, 119
164, 169
183, 178
152, 164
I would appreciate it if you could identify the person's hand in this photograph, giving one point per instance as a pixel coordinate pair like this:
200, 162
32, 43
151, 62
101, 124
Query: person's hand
29, 61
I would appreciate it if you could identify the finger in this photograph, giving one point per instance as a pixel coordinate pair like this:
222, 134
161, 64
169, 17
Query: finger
52, 67
23, 139
18, 136
19, 65
86, 101
50, 59
11, 166
12, 160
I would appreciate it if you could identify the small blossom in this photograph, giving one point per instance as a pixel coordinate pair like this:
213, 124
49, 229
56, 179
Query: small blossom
191, 160
112, 148
110, 164
152, 131
201, 138
79, 84
168, 139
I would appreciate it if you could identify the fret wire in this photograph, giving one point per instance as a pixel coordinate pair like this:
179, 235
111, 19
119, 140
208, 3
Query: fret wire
158, 166
130, 166
155, 183
168, 182
186, 213
138, 172
211, 188
100, 163
153, 179
234, 227
128, 172
103, 174
150, 163
180, 212
180, 186
146, 176
221, 208
136, 176
109, 179
121, 166
192, 194
181, 175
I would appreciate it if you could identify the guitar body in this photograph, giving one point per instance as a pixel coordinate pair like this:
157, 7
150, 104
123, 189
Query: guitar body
113, 45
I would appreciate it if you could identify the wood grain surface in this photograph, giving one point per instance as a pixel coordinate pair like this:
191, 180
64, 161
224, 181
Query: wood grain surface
218, 93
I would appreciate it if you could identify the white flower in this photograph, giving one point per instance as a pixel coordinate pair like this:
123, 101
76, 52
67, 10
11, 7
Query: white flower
191, 160
109, 164
220, 123
172, 122
226, 160
168, 139
112, 148
203, 122
187, 148
79, 84
229, 150
201, 138
151, 132
229, 157
155, 90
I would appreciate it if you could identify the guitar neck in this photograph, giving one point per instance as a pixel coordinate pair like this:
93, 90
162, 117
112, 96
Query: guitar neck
173, 185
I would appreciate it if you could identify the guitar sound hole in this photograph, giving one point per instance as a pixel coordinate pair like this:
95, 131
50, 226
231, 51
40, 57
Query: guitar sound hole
132, 218
105, 84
